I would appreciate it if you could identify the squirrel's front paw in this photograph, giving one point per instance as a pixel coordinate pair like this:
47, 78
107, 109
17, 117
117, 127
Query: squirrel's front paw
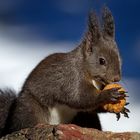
115, 100
111, 95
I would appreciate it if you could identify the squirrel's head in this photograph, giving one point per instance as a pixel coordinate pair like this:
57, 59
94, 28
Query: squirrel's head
102, 59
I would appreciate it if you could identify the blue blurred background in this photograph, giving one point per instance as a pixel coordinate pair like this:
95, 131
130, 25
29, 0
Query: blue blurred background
30, 30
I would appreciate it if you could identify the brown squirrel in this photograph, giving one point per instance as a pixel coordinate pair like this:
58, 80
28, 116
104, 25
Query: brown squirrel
62, 87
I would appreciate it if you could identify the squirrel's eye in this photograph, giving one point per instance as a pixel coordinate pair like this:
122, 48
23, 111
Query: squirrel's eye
102, 61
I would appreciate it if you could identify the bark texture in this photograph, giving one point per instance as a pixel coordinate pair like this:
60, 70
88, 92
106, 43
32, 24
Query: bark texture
68, 132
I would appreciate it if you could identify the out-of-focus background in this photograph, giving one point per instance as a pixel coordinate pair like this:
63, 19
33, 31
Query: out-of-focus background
31, 30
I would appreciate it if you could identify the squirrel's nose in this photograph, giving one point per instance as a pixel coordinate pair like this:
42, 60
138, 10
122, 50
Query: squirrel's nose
116, 79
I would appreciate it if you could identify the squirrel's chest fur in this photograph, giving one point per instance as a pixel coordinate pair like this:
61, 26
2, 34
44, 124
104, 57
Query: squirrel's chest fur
61, 114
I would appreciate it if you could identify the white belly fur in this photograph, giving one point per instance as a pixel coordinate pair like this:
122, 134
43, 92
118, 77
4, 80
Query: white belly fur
61, 114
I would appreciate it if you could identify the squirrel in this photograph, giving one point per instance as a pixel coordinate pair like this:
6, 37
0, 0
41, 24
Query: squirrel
62, 88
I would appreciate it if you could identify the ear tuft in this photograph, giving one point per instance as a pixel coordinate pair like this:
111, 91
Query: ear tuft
108, 23
93, 33
93, 27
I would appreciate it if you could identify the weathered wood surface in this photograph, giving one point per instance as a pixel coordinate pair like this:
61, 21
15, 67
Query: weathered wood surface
68, 132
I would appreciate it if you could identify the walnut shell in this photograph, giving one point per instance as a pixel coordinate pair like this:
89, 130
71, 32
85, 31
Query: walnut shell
115, 107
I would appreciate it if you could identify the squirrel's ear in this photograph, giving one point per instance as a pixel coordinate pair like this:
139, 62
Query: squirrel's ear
93, 33
108, 23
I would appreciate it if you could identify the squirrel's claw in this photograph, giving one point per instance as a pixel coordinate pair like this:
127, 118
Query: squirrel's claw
124, 111
118, 115
127, 104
